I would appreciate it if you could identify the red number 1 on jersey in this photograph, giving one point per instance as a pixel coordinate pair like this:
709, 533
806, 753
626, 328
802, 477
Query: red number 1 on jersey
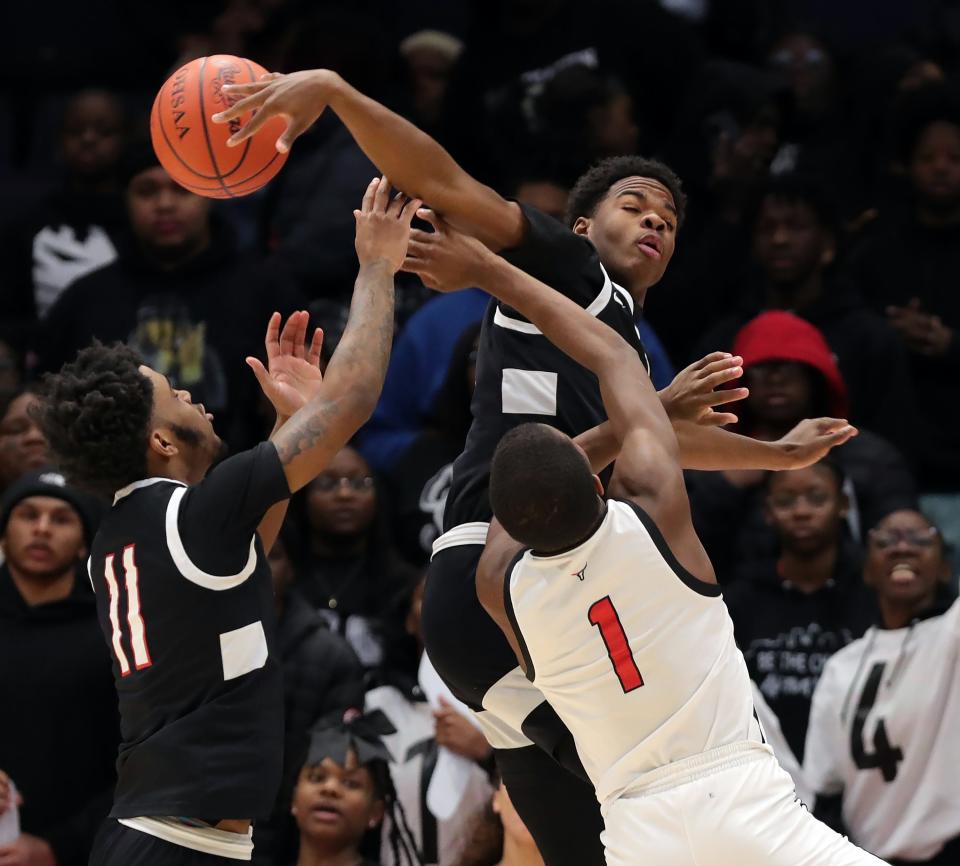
138, 634
604, 615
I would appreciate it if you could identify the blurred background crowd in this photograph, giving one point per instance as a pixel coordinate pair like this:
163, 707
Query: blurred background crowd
819, 144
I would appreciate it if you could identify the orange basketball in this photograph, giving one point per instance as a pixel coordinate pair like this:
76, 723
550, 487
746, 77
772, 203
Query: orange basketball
193, 149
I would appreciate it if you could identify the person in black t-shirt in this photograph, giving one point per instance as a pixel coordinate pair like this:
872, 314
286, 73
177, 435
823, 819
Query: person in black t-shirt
184, 596
619, 237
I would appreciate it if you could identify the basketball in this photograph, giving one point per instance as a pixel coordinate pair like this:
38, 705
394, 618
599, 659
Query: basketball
193, 149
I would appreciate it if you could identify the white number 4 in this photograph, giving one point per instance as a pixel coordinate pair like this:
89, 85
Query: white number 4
138, 635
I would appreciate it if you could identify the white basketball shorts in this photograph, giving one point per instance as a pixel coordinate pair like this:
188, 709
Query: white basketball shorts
732, 807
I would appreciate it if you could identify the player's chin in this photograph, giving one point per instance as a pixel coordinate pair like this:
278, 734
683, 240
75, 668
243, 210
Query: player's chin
646, 271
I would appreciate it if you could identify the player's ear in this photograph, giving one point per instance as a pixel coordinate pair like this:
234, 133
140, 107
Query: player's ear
581, 226
161, 443
598, 486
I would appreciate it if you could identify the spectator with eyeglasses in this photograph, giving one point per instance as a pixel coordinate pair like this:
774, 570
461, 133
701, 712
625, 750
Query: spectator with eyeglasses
882, 749
791, 612
347, 567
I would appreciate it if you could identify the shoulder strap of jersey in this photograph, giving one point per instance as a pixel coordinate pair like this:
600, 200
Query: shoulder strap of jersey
656, 536
512, 616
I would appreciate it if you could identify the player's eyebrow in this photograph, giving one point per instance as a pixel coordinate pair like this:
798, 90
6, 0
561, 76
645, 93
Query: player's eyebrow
640, 194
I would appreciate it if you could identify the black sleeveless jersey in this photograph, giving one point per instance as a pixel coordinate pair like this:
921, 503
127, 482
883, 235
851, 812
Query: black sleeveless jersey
185, 601
521, 375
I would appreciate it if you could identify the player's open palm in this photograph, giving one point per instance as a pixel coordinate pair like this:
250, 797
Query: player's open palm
299, 97
383, 225
292, 376
813, 438
697, 390
445, 259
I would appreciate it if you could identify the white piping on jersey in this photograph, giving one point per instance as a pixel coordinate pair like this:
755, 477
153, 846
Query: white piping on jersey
207, 840
143, 482
596, 307
186, 566
90, 572
463, 533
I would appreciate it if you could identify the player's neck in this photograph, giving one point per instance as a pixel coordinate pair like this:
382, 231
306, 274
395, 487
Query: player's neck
315, 853
36, 591
515, 854
808, 572
895, 614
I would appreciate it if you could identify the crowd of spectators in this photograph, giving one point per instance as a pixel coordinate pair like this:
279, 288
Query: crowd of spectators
819, 144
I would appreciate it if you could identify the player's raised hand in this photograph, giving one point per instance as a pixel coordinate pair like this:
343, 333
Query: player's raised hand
383, 225
292, 375
693, 394
445, 259
299, 97
812, 439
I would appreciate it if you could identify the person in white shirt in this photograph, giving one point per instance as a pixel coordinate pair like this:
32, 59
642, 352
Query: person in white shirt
882, 744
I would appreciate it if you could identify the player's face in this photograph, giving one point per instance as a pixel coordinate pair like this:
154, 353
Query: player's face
806, 508
164, 216
188, 423
92, 138
935, 167
789, 243
336, 803
23, 446
905, 560
44, 537
781, 392
342, 501
634, 230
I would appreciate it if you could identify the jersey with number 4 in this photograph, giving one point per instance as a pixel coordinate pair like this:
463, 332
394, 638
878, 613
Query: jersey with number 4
885, 733
185, 602
634, 653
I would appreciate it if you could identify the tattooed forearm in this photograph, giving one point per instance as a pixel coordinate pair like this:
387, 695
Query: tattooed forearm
304, 430
360, 361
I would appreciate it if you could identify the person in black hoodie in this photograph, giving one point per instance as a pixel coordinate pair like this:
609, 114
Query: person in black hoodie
794, 245
791, 375
792, 612
59, 727
70, 230
347, 568
179, 293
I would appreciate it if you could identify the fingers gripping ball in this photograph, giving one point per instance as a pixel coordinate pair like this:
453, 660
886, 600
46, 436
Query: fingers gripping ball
193, 149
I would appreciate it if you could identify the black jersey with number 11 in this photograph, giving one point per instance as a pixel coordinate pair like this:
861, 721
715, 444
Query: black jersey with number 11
185, 602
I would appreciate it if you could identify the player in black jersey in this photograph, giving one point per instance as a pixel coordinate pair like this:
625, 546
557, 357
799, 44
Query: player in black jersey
621, 230
183, 586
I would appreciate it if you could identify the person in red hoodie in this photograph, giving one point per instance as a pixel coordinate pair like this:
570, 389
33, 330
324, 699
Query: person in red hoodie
791, 374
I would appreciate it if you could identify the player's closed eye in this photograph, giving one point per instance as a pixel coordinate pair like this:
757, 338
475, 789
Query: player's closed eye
327, 483
884, 539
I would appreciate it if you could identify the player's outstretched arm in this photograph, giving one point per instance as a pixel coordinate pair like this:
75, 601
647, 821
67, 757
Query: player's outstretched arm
354, 377
409, 157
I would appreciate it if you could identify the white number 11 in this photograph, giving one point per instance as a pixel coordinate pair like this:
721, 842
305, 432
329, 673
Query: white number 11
138, 635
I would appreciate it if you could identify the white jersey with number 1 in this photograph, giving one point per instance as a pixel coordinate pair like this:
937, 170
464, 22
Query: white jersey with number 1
636, 655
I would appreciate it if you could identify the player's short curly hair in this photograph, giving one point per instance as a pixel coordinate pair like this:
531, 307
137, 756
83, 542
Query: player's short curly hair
95, 414
541, 488
593, 186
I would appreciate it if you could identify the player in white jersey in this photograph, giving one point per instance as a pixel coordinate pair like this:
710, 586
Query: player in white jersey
614, 612
883, 734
